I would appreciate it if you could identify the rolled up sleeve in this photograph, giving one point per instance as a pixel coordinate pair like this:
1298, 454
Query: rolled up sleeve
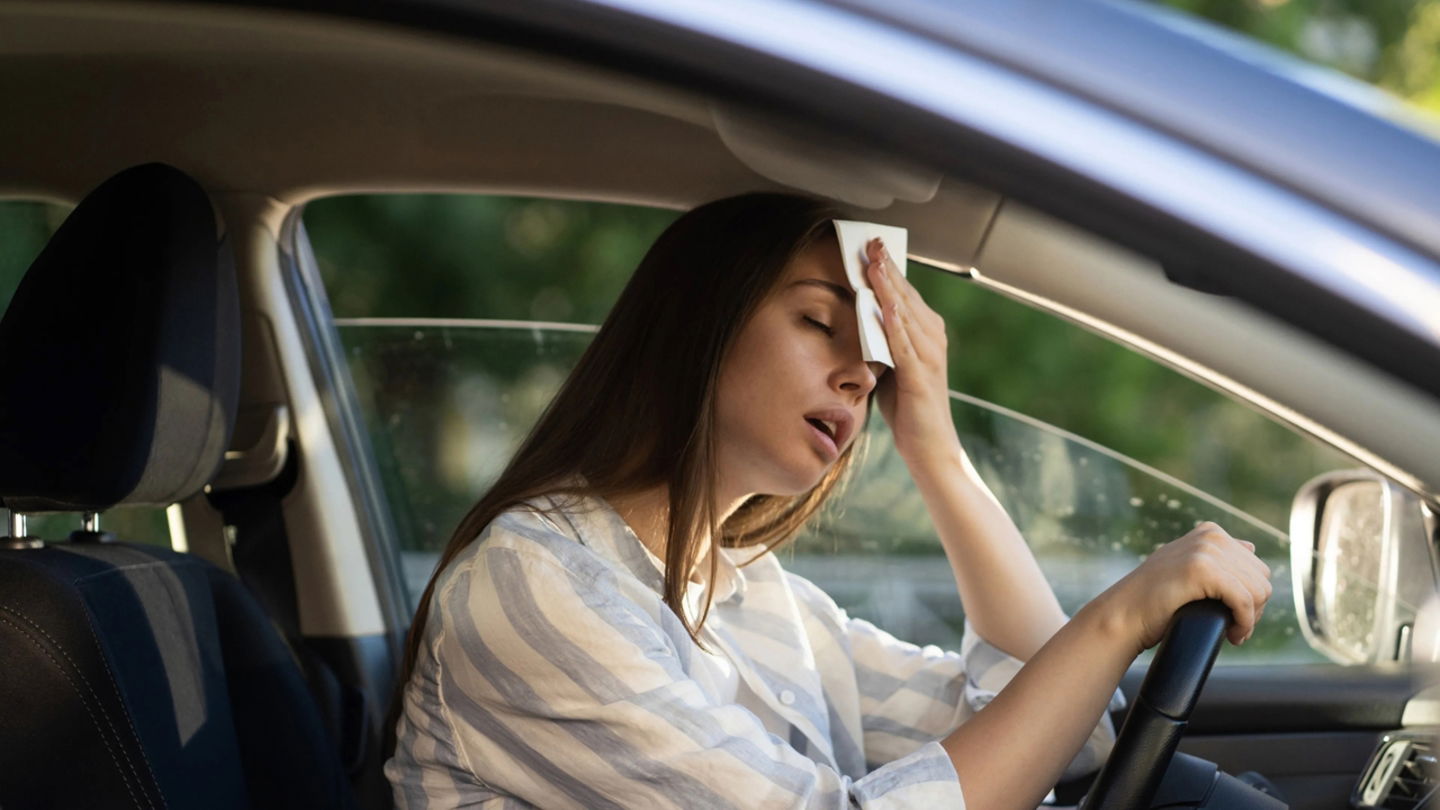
558, 689
911, 693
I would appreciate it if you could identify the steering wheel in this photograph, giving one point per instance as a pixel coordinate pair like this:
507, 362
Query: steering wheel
1157, 721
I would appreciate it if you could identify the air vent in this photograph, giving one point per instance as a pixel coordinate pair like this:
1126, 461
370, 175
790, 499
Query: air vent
1415, 780
1402, 775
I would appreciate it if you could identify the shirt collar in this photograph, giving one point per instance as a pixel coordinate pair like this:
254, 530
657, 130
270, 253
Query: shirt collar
729, 578
597, 525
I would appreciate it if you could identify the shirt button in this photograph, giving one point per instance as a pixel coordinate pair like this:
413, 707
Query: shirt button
787, 697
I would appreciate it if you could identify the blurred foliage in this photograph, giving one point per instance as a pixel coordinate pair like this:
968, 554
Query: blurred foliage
1392, 44
1032, 362
467, 256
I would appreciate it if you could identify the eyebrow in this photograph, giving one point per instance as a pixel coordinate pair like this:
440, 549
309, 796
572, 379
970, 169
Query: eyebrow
838, 290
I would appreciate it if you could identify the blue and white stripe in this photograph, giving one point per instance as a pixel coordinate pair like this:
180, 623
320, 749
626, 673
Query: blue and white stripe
552, 674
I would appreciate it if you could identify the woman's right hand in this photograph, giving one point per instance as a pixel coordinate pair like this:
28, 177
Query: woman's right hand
1206, 563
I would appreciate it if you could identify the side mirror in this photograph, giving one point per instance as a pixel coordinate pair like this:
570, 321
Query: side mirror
1363, 564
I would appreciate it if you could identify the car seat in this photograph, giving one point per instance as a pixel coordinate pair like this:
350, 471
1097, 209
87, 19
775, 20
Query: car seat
133, 676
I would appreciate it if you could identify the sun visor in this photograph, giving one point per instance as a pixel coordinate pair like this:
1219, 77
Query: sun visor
816, 163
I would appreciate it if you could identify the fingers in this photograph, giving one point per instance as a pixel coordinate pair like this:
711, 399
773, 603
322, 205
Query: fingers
893, 304
877, 253
1246, 596
1239, 578
1252, 570
918, 330
907, 297
1243, 611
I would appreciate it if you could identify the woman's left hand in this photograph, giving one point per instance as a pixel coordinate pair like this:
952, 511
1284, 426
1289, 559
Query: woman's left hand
913, 397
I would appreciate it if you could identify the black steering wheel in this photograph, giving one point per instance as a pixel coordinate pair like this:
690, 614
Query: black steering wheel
1157, 721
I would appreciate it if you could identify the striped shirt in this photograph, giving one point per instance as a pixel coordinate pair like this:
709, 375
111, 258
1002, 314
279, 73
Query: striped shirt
552, 674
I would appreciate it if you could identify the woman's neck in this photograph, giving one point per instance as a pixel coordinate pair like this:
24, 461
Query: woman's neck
647, 512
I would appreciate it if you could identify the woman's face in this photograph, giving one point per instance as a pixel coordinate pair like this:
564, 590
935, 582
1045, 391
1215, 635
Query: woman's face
794, 390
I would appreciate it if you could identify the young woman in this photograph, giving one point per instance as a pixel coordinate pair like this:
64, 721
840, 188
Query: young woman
608, 627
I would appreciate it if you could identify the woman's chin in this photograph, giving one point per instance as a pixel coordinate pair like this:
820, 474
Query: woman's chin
798, 481
788, 477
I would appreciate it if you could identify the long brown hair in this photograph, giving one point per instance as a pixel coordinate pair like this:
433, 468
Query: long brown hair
638, 410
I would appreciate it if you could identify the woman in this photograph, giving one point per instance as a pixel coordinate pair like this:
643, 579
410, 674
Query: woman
608, 627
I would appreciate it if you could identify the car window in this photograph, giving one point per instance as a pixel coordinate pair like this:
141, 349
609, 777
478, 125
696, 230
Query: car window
25, 227
460, 316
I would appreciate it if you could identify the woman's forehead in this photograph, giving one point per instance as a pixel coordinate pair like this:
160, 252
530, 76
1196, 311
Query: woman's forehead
820, 261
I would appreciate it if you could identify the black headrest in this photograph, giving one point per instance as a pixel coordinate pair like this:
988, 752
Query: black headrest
120, 352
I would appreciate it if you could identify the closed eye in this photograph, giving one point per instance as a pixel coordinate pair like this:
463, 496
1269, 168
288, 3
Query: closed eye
823, 327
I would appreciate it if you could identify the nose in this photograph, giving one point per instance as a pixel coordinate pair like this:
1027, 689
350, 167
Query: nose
858, 377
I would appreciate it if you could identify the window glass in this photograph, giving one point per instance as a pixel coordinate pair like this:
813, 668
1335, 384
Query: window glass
462, 256
25, 227
461, 315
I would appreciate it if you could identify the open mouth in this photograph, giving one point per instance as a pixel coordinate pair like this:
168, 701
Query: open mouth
828, 428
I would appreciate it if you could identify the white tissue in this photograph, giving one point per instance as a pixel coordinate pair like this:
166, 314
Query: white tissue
853, 237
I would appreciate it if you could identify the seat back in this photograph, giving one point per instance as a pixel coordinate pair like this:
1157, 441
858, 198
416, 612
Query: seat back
134, 676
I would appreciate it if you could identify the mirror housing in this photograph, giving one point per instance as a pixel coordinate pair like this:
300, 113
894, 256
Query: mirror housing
1362, 562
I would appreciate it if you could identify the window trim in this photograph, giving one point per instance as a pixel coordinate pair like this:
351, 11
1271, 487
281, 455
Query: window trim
329, 371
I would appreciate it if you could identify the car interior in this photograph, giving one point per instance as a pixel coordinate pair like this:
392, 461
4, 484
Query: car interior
170, 348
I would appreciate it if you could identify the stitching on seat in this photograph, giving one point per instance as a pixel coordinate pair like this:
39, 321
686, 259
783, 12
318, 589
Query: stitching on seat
138, 566
175, 563
115, 689
154, 563
88, 710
